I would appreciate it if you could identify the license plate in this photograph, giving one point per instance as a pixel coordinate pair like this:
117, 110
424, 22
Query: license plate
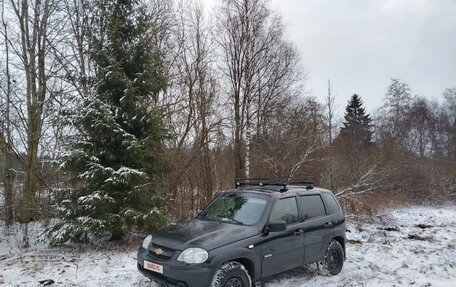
153, 267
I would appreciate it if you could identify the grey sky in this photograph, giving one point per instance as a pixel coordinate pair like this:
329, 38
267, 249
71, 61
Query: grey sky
361, 44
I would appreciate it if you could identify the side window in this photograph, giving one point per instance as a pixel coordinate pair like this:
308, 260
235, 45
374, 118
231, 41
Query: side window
285, 209
312, 206
331, 203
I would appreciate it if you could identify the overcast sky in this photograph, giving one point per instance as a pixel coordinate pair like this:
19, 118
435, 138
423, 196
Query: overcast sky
361, 44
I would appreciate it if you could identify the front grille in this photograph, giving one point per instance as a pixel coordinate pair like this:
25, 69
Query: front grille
160, 252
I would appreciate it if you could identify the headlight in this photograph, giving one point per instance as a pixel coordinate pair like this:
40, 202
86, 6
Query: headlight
147, 241
193, 255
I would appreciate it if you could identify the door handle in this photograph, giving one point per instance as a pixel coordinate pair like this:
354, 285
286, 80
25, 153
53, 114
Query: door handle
298, 232
328, 224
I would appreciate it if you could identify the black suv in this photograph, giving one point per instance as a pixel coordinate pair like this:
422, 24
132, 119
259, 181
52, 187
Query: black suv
259, 229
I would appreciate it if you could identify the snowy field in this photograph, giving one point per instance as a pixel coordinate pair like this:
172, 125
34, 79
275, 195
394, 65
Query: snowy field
413, 246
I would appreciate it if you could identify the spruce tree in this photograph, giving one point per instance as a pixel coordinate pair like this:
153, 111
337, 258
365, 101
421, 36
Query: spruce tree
115, 160
357, 125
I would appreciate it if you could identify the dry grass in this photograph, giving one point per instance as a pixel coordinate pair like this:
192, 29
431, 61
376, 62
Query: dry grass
375, 203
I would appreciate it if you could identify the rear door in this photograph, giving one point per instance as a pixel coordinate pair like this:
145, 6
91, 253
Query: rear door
281, 251
317, 227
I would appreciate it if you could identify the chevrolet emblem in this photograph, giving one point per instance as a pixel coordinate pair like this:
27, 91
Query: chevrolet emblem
158, 251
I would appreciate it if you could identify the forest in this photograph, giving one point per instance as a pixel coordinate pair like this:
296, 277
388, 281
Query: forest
119, 116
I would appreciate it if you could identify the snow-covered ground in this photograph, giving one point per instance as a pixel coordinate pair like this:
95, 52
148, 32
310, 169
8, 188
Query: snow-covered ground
413, 246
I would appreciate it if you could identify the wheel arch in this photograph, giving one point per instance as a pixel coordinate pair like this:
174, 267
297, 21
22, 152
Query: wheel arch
341, 241
249, 266
248, 258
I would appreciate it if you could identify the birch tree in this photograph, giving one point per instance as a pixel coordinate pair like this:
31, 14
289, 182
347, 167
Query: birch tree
261, 69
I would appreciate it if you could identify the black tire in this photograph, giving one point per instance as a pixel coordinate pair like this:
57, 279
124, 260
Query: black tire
232, 274
334, 258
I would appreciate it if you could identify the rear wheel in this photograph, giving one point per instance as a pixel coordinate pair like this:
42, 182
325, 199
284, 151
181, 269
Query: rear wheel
334, 258
232, 274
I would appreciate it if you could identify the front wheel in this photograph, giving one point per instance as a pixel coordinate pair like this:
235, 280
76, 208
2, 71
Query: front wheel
232, 274
334, 258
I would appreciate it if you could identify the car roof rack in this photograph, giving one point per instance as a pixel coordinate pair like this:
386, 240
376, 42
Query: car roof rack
278, 181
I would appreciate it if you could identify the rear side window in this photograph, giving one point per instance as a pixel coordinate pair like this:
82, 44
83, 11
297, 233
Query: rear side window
331, 203
285, 209
312, 206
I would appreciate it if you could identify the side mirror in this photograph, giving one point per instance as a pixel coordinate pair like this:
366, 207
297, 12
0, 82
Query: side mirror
277, 226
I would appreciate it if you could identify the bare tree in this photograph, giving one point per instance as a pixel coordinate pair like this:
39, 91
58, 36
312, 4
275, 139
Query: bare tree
260, 69
367, 182
33, 20
194, 112
329, 118
420, 120
397, 105
450, 126
72, 48
6, 139
294, 138
330, 110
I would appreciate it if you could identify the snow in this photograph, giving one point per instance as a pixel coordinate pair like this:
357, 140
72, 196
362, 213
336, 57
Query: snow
380, 253
377, 257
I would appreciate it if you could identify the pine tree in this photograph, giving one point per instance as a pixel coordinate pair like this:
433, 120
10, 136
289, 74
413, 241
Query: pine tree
114, 160
357, 124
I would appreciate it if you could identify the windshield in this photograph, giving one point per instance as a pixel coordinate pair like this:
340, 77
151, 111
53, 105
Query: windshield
236, 208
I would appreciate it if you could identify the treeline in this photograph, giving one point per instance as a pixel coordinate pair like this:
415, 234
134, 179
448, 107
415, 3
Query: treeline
121, 115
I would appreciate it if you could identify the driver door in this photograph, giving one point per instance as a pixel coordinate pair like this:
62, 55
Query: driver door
282, 251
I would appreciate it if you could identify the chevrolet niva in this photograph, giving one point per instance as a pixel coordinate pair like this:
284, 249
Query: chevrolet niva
261, 228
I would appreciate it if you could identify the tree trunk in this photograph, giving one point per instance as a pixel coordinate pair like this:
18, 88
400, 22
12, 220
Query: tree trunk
30, 184
247, 144
5, 135
237, 138
7, 181
33, 35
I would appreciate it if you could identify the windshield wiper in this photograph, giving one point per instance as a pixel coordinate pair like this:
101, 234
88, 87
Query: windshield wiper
233, 220
220, 219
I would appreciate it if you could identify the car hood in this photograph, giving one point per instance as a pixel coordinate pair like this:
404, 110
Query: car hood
201, 233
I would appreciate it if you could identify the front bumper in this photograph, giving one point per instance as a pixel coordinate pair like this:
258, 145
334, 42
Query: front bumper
176, 273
